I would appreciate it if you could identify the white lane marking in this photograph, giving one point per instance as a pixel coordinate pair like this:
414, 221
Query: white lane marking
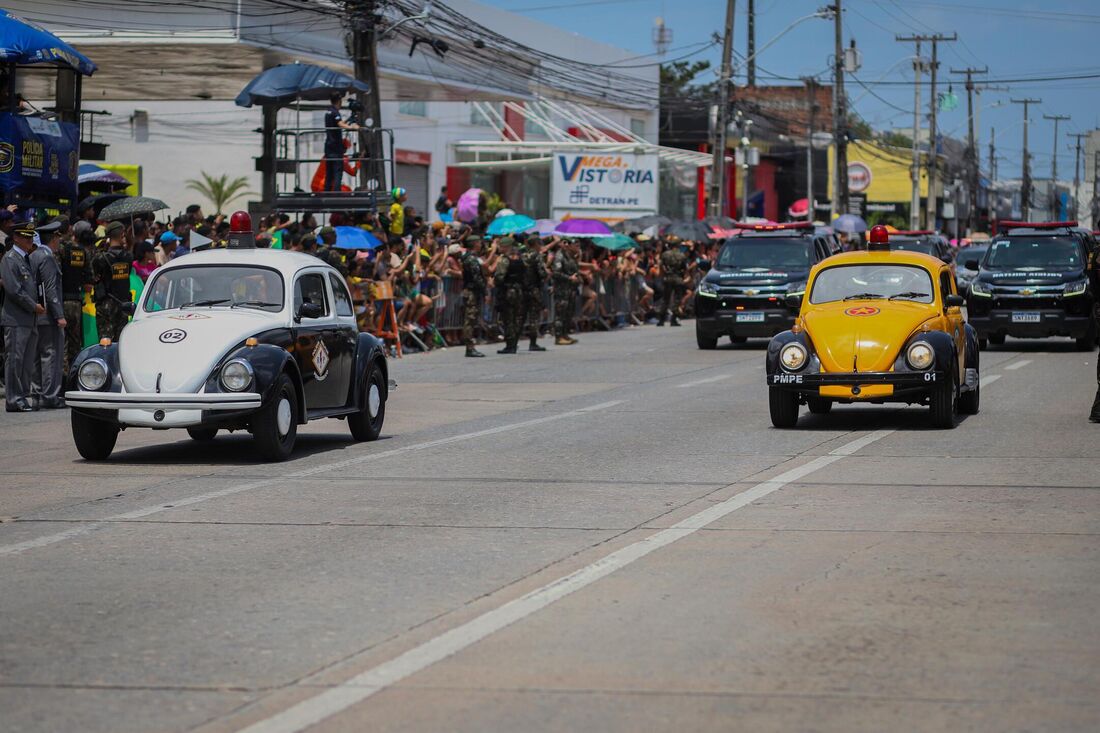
315, 709
77, 531
708, 380
1017, 364
986, 381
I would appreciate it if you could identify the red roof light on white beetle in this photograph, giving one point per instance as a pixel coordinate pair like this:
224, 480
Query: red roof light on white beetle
241, 235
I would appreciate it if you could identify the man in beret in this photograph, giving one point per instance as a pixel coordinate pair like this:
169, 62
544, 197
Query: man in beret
51, 324
19, 318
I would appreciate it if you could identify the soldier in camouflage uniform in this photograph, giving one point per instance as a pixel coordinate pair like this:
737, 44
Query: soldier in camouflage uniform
509, 276
535, 276
564, 273
1094, 276
76, 278
111, 270
674, 272
473, 293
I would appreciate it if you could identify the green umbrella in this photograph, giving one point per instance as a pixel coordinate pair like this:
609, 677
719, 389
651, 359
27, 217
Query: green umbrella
616, 242
130, 207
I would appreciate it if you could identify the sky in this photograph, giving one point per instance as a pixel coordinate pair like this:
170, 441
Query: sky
1015, 40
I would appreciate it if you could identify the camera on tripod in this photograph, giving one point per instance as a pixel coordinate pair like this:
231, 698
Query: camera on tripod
356, 109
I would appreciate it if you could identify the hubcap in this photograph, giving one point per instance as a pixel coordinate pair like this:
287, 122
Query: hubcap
283, 416
374, 400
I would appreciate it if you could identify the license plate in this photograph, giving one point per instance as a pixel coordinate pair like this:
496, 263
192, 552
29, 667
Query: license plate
750, 318
1027, 317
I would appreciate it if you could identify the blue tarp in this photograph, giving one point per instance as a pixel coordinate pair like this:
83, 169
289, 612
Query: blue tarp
283, 84
25, 43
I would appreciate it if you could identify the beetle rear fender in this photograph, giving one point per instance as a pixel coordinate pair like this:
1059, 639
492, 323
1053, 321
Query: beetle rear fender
972, 350
778, 342
369, 349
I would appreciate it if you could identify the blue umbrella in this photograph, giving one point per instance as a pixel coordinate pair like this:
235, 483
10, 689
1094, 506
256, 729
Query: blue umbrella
510, 225
283, 84
355, 238
849, 224
25, 43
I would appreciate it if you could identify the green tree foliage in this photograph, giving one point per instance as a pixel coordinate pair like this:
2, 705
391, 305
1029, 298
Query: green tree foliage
221, 190
678, 80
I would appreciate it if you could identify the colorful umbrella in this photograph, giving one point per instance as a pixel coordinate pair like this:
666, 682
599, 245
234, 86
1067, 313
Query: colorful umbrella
616, 242
468, 204
355, 238
546, 227
586, 228
849, 224
510, 225
641, 223
687, 229
799, 209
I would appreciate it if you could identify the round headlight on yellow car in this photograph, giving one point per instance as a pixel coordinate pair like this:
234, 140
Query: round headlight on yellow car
793, 356
236, 375
920, 355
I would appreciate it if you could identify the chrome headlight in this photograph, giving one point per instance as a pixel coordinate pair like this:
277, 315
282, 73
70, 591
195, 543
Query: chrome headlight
708, 289
92, 374
236, 375
977, 287
793, 356
796, 288
1076, 288
920, 355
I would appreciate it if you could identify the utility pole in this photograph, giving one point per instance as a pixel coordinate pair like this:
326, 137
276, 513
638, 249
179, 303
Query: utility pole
811, 102
914, 170
930, 204
992, 179
751, 57
971, 147
718, 162
840, 115
364, 17
1076, 170
1025, 183
1054, 165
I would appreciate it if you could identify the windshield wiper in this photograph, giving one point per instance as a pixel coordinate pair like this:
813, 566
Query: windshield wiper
865, 296
909, 294
201, 303
254, 304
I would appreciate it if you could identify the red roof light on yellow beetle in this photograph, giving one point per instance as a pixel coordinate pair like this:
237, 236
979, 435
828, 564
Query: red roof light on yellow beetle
879, 237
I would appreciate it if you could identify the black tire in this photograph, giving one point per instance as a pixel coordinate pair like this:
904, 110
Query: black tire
819, 406
705, 342
204, 435
997, 339
365, 424
942, 403
738, 339
983, 344
271, 442
1086, 342
783, 407
969, 402
95, 439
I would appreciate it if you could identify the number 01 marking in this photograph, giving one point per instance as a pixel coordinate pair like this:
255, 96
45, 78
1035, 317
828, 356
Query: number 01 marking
930, 376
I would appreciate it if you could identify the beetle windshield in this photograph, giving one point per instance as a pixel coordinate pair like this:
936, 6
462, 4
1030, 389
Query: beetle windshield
1039, 253
872, 282
210, 286
773, 253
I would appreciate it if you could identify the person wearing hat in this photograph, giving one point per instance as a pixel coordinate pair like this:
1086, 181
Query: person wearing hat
166, 247
111, 272
535, 276
51, 324
76, 279
674, 271
328, 253
19, 318
509, 276
473, 293
565, 274
397, 211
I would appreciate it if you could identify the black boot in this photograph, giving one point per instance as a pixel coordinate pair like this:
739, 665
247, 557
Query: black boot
661, 321
674, 322
509, 349
472, 352
535, 347
1094, 416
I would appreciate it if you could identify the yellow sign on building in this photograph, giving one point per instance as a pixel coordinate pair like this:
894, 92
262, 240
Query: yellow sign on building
131, 173
879, 172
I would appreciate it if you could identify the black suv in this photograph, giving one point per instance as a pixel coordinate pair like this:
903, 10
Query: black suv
1033, 283
743, 294
928, 242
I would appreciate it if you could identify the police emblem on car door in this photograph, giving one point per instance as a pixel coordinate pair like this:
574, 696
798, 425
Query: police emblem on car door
320, 360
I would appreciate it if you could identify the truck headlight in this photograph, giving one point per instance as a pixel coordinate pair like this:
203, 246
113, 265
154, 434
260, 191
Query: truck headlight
236, 375
983, 289
92, 374
708, 289
920, 356
798, 288
1076, 288
793, 356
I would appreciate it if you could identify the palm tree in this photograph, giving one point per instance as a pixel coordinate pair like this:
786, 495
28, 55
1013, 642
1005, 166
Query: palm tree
220, 191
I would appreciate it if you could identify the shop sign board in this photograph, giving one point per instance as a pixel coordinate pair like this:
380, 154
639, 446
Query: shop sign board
599, 184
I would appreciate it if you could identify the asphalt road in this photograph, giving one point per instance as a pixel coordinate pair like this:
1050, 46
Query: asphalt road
605, 537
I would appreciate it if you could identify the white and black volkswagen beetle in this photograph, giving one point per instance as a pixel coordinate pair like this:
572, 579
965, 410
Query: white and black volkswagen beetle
235, 339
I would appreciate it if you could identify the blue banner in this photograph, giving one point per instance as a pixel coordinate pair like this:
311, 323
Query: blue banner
39, 158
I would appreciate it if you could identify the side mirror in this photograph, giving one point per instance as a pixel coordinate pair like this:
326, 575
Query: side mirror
947, 259
310, 310
793, 301
971, 265
954, 301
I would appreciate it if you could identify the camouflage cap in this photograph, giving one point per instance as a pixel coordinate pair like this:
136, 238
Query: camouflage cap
113, 228
326, 230
507, 242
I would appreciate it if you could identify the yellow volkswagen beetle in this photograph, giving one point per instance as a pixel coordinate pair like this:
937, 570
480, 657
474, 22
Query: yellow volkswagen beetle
876, 326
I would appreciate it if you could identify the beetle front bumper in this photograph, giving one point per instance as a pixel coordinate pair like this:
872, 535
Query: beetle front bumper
163, 410
858, 385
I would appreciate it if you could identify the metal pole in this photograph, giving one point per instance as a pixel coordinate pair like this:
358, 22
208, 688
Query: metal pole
812, 102
840, 115
1025, 183
914, 173
971, 147
1077, 172
750, 74
1054, 165
725, 80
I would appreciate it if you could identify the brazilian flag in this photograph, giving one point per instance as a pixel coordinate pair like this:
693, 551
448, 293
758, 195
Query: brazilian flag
91, 333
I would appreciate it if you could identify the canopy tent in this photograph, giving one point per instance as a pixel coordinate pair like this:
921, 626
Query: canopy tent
281, 85
22, 42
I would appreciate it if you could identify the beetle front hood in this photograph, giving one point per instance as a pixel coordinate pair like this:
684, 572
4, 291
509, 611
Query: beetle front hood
182, 346
864, 335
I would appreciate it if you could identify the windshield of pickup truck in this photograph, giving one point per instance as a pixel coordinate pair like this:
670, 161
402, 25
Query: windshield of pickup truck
766, 252
1039, 253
